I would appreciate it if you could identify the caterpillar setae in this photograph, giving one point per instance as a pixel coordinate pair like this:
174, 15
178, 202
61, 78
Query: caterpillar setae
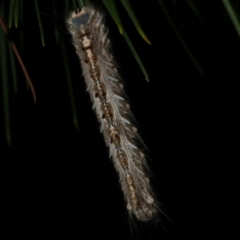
90, 38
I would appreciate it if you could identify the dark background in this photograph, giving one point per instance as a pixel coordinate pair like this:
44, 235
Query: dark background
59, 183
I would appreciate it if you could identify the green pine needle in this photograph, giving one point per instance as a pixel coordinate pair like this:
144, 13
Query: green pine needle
5, 87
194, 8
134, 19
80, 3
69, 83
13, 69
16, 13
233, 16
55, 25
112, 9
39, 22
11, 12
110, 6
180, 38
74, 4
135, 54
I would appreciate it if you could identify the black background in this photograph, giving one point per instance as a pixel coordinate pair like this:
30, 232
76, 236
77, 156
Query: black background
59, 183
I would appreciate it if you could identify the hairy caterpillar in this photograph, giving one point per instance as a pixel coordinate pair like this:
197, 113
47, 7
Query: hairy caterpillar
90, 38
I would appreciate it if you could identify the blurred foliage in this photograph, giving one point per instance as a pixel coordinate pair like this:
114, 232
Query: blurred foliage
11, 15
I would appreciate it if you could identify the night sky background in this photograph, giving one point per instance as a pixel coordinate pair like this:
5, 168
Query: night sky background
59, 183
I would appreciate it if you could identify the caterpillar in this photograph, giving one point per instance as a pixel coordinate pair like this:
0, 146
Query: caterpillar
92, 44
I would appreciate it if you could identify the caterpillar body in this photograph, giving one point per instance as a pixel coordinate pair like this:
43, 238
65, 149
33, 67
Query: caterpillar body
90, 38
